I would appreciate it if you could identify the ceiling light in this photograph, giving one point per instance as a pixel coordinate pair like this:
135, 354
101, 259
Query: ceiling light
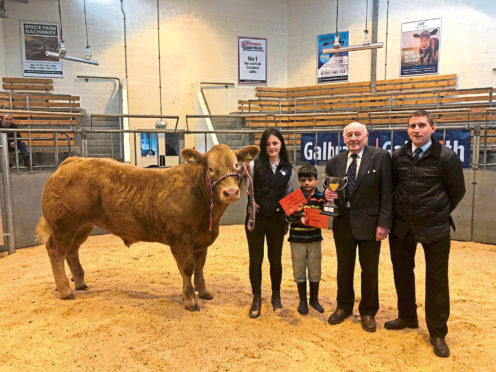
351, 48
337, 48
69, 58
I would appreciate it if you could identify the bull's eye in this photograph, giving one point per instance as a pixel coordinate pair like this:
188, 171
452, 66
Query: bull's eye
236, 165
210, 170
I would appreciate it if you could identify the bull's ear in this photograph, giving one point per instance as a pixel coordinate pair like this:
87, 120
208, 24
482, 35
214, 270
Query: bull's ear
192, 156
247, 153
416, 36
433, 32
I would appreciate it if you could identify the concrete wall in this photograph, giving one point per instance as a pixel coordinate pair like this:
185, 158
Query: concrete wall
198, 43
27, 189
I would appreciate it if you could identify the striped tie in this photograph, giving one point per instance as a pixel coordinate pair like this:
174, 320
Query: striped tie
416, 154
351, 174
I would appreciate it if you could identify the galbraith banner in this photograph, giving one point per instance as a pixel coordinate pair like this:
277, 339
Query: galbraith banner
327, 144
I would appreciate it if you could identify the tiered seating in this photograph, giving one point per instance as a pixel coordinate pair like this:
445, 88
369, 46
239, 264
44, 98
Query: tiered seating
33, 109
394, 99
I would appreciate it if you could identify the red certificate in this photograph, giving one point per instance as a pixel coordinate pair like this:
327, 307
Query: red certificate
314, 218
292, 202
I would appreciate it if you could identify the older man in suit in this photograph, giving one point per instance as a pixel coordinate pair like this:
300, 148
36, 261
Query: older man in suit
365, 216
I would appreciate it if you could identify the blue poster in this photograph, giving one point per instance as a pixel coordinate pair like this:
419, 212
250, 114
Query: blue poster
149, 144
331, 144
333, 66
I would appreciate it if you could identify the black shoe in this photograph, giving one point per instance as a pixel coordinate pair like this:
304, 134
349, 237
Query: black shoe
441, 349
302, 293
314, 297
276, 300
399, 323
368, 323
338, 316
256, 306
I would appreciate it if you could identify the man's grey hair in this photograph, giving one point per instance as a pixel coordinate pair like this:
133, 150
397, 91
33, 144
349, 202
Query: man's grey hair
8, 114
356, 124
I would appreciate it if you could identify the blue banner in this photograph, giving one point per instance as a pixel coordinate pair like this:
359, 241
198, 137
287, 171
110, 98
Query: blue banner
331, 144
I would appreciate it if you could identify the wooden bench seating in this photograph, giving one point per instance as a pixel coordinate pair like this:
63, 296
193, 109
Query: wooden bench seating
33, 106
482, 97
39, 101
433, 82
36, 84
338, 104
63, 122
375, 120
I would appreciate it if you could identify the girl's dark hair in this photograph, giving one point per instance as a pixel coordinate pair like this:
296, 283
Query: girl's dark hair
263, 162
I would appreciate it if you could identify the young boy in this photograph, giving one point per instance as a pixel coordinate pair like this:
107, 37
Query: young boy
306, 242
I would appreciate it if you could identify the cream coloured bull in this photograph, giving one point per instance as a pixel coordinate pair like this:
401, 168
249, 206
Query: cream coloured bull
180, 206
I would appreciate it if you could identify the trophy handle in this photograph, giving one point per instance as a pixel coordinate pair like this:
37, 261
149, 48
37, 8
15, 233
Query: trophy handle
346, 182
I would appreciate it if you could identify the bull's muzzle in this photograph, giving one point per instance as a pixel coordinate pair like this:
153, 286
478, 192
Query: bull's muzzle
231, 193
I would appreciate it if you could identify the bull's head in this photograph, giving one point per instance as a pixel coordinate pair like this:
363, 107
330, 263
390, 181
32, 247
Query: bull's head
424, 37
223, 168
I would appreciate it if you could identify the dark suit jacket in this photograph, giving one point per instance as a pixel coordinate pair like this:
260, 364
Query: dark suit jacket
371, 200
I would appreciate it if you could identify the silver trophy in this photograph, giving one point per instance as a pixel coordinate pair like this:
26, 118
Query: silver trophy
333, 184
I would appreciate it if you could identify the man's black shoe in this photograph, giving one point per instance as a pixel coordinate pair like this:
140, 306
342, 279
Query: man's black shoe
441, 349
368, 323
397, 324
338, 316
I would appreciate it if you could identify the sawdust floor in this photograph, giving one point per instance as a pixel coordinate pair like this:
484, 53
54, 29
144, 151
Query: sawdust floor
132, 317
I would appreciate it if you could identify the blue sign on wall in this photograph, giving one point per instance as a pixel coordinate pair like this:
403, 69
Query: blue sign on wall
329, 145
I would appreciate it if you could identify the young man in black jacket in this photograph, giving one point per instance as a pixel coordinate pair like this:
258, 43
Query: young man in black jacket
427, 184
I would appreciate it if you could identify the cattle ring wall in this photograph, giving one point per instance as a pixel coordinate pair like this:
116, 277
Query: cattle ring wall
474, 216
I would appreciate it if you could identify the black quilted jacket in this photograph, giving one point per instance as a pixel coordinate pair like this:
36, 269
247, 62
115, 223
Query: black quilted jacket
426, 191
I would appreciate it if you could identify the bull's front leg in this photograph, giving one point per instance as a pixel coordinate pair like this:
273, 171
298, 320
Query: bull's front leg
199, 258
184, 260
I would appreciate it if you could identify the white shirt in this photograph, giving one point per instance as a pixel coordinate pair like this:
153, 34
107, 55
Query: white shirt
358, 160
424, 148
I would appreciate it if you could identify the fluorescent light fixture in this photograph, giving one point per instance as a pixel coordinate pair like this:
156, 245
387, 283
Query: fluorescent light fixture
351, 48
69, 58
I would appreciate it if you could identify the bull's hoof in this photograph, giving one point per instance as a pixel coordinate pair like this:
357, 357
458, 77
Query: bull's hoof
69, 297
205, 296
83, 287
194, 307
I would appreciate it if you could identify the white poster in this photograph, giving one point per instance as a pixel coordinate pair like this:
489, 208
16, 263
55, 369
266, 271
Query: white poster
252, 60
420, 42
37, 38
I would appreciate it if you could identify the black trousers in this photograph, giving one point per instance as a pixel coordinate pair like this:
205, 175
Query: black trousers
368, 255
271, 228
437, 307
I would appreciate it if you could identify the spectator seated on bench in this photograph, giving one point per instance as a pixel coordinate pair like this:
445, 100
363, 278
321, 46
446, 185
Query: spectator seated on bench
8, 122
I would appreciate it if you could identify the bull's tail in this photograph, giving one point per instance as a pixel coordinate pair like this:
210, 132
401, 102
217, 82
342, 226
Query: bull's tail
43, 231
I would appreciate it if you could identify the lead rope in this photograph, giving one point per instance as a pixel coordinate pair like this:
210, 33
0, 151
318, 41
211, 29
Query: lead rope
243, 173
250, 223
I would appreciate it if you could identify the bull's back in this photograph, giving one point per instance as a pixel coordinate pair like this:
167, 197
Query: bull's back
110, 194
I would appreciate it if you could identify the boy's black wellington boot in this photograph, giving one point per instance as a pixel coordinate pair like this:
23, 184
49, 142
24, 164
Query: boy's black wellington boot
302, 292
314, 297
